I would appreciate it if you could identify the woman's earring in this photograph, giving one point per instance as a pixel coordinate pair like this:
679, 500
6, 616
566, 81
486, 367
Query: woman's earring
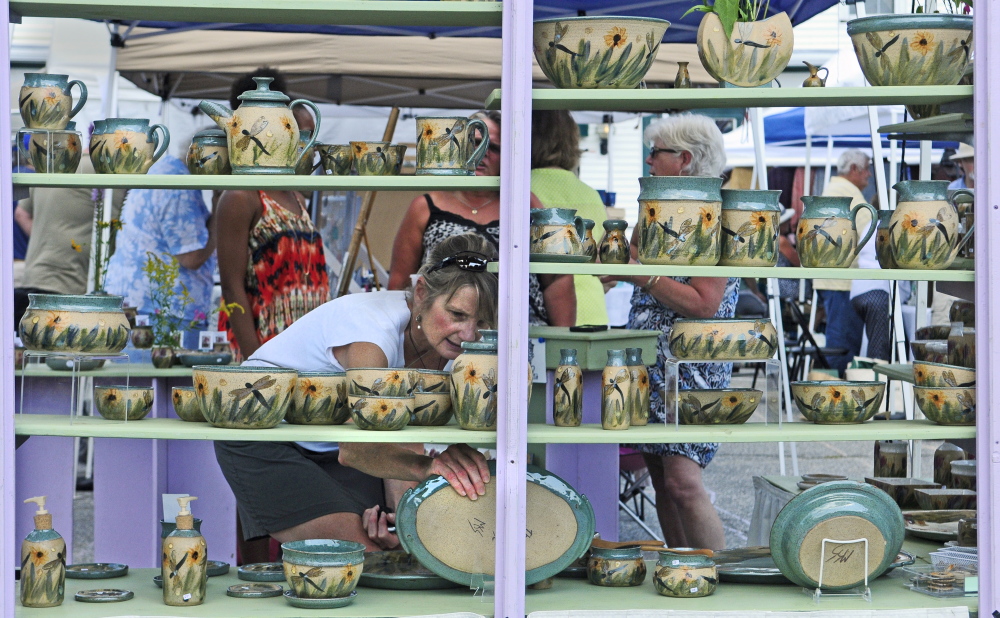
418, 319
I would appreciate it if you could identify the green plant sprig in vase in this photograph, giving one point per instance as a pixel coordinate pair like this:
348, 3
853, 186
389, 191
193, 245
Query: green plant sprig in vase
170, 300
732, 11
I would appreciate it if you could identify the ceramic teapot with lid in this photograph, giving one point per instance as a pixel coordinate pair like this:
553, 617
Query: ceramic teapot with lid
262, 133
828, 233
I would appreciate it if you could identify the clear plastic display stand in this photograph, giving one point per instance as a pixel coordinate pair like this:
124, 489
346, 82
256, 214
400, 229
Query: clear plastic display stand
73, 360
482, 586
771, 397
862, 592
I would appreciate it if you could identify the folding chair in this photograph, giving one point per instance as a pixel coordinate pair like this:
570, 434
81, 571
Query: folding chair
805, 346
633, 473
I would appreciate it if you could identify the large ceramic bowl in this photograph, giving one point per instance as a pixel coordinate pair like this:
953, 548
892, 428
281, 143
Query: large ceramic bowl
719, 339
836, 402
381, 382
378, 413
186, 404
597, 52
322, 568
940, 375
431, 409
319, 398
912, 50
843, 510
941, 499
947, 405
963, 474
901, 490
432, 381
722, 406
243, 397
931, 351
119, 403
86, 324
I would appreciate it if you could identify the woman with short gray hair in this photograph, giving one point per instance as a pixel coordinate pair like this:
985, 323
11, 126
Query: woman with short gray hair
692, 139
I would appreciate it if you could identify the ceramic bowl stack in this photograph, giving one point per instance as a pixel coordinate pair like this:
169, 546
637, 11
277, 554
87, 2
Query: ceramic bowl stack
837, 402
381, 399
322, 573
431, 399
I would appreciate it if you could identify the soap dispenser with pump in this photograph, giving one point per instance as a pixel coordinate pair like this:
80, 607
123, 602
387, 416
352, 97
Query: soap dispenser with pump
184, 564
43, 562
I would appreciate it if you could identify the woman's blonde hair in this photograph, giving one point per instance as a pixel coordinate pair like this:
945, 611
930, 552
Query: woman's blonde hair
446, 280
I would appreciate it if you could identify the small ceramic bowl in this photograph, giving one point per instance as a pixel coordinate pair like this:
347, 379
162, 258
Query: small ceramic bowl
941, 499
616, 567
319, 398
837, 402
938, 332
901, 490
186, 404
191, 358
431, 409
718, 339
381, 382
963, 474
336, 159
432, 381
723, 406
243, 397
119, 403
931, 351
381, 413
65, 363
940, 375
322, 568
947, 405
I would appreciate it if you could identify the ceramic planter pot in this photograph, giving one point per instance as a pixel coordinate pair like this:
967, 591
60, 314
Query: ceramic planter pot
614, 247
923, 230
720, 339
556, 231
336, 159
901, 490
933, 351
432, 381
837, 402
589, 244
87, 324
891, 457
680, 220
684, 576
319, 398
827, 233
377, 413
374, 158
431, 409
128, 146
119, 403
50, 152
963, 474
307, 154
947, 405
963, 311
45, 101
943, 456
381, 382
945, 499
753, 55
243, 397
883, 248
720, 406
938, 375
749, 228
447, 145
616, 392
208, 153
567, 395
186, 404
322, 568
639, 395
616, 568
474, 383
597, 52
962, 346
163, 357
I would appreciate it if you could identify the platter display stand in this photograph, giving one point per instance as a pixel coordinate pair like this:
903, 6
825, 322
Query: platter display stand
818, 594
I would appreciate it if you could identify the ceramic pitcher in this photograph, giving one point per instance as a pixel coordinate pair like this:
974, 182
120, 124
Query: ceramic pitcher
50, 152
128, 146
882, 249
639, 375
679, 220
614, 248
827, 233
589, 244
750, 228
45, 101
447, 146
923, 231
208, 153
567, 398
336, 159
683, 574
814, 80
262, 133
474, 383
556, 231
616, 391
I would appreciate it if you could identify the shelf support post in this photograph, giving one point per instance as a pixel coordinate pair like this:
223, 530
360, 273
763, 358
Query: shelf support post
8, 587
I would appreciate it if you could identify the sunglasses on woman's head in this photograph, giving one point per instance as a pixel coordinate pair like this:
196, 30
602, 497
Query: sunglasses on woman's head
475, 262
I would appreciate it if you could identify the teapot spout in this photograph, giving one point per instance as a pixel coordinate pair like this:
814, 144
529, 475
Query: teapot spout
217, 112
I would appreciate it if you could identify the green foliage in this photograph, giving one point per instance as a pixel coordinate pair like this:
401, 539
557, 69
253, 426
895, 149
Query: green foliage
170, 299
732, 11
959, 7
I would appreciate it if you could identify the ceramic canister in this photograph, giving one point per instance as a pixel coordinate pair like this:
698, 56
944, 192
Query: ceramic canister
943, 456
589, 244
474, 383
680, 220
614, 247
90, 324
962, 346
447, 145
890, 458
45, 101
50, 151
616, 567
616, 391
683, 575
128, 146
923, 232
827, 233
639, 375
963, 474
883, 251
556, 231
750, 228
208, 153
567, 398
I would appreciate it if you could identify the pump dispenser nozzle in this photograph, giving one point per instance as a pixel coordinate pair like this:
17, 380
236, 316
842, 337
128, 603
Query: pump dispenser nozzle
43, 519
185, 505
185, 521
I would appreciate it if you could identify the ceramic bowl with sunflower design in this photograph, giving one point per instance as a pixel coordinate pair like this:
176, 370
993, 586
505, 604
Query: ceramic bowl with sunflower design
680, 220
722, 339
243, 396
721, 406
431, 409
837, 402
597, 52
322, 568
432, 381
186, 404
120, 403
947, 405
319, 398
750, 228
380, 381
377, 413
938, 375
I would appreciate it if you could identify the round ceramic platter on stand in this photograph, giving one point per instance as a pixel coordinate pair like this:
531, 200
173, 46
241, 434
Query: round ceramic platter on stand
563, 259
935, 525
397, 570
759, 567
454, 536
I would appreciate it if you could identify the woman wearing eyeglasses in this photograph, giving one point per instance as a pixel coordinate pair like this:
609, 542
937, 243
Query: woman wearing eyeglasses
293, 491
437, 215
684, 145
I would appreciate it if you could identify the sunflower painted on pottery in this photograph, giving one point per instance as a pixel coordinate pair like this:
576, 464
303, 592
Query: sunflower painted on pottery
772, 38
707, 218
759, 220
836, 395
120, 141
616, 37
922, 43
652, 212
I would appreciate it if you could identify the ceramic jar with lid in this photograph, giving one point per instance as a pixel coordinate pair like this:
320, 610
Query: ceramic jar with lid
567, 399
208, 153
616, 567
639, 375
474, 383
616, 391
685, 575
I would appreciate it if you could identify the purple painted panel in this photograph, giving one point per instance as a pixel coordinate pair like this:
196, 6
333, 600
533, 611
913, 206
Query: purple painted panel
8, 544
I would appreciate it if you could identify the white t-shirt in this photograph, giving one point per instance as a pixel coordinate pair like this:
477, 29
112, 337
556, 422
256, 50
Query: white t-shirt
307, 345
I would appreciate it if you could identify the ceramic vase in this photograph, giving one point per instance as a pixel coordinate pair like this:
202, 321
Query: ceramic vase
890, 459
883, 250
617, 567
567, 398
474, 384
943, 456
128, 146
49, 151
616, 390
448, 145
683, 77
680, 220
827, 233
88, 324
639, 395
45, 101
163, 357
752, 55
684, 576
208, 153
749, 228
962, 346
556, 231
336, 159
614, 247
142, 337
589, 244
923, 230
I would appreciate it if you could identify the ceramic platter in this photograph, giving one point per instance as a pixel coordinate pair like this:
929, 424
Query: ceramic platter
104, 595
454, 536
255, 590
839, 510
262, 572
96, 570
333, 603
562, 259
216, 568
754, 565
398, 570
935, 525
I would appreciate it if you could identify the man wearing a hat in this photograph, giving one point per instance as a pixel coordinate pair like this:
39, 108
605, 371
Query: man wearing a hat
964, 159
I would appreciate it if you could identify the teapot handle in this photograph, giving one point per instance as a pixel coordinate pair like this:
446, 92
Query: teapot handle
161, 144
477, 156
871, 227
315, 133
83, 96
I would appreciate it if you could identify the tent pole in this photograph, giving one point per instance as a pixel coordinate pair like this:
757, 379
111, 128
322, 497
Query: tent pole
347, 272
99, 237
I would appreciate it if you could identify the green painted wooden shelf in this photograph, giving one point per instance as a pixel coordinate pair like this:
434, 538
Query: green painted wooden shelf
253, 181
955, 126
896, 371
660, 99
109, 370
340, 12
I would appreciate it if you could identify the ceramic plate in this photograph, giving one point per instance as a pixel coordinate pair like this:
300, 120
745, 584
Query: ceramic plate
103, 595
841, 510
759, 568
262, 572
398, 570
454, 536
935, 525
96, 570
295, 601
565, 259
256, 590
217, 567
